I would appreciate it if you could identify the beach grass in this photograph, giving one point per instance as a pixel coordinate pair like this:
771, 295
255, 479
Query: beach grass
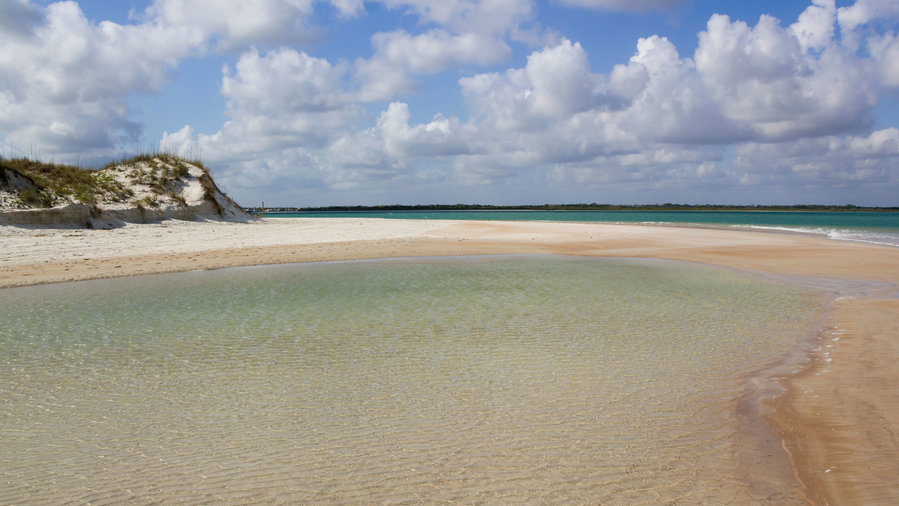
57, 183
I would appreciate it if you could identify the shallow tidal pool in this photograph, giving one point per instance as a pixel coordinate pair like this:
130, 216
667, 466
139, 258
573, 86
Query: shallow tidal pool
489, 379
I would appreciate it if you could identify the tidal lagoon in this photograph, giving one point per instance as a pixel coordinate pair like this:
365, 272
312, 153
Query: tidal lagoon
486, 379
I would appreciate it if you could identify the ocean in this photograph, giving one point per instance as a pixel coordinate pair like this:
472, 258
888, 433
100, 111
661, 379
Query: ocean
487, 379
860, 226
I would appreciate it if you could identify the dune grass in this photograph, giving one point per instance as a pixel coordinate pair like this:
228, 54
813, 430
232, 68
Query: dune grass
56, 183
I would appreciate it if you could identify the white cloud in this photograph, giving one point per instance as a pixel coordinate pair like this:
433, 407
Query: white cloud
674, 105
815, 27
690, 173
495, 17
880, 144
867, 160
67, 81
400, 56
863, 11
656, 96
626, 5
889, 64
468, 32
561, 81
283, 81
556, 83
359, 151
290, 124
763, 79
440, 137
235, 24
349, 8
884, 50
18, 17
437, 50
780, 85
279, 100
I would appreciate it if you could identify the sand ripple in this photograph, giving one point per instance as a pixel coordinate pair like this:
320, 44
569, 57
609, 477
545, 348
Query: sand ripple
528, 380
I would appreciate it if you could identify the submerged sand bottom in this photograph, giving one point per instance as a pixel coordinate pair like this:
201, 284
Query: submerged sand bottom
838, 419
490, 379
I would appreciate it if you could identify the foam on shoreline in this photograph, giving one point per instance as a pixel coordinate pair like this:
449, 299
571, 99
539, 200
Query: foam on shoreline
886, 237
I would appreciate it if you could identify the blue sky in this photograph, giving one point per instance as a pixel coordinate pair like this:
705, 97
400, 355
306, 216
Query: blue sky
310, 103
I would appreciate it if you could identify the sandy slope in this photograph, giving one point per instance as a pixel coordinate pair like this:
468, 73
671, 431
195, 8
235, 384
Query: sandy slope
839, 418
139, 191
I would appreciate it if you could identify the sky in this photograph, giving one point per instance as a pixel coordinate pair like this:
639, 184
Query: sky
352, 102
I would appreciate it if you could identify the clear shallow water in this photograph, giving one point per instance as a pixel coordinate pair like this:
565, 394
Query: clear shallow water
493, 379
860, 226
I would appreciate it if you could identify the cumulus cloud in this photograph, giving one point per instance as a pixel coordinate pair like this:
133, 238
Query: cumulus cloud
285, 104
470, 16
626, 5
556, 83
182, 143
290, 116
399, 57
440, 137
665, 120
656, 96
660, 166
674, 105
282, 81
868, 160
854, 21
668, 118
66, 82
863, 11
815, 27
470, 32
887, 53
278, 100
18, 17
235, 24
764, 79
437, 50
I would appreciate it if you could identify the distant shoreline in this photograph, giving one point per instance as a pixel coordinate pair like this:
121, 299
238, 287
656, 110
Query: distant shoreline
572, 207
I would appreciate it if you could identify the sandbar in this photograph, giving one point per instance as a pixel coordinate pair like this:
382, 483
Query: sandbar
838, 418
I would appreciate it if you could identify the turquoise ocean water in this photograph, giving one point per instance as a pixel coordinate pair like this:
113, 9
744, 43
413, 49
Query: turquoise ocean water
479, 380
862, 226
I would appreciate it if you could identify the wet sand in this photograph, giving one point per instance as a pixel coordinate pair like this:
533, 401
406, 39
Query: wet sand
839, 417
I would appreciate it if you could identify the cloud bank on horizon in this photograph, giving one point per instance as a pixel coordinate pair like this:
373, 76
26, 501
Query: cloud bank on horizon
308, 102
